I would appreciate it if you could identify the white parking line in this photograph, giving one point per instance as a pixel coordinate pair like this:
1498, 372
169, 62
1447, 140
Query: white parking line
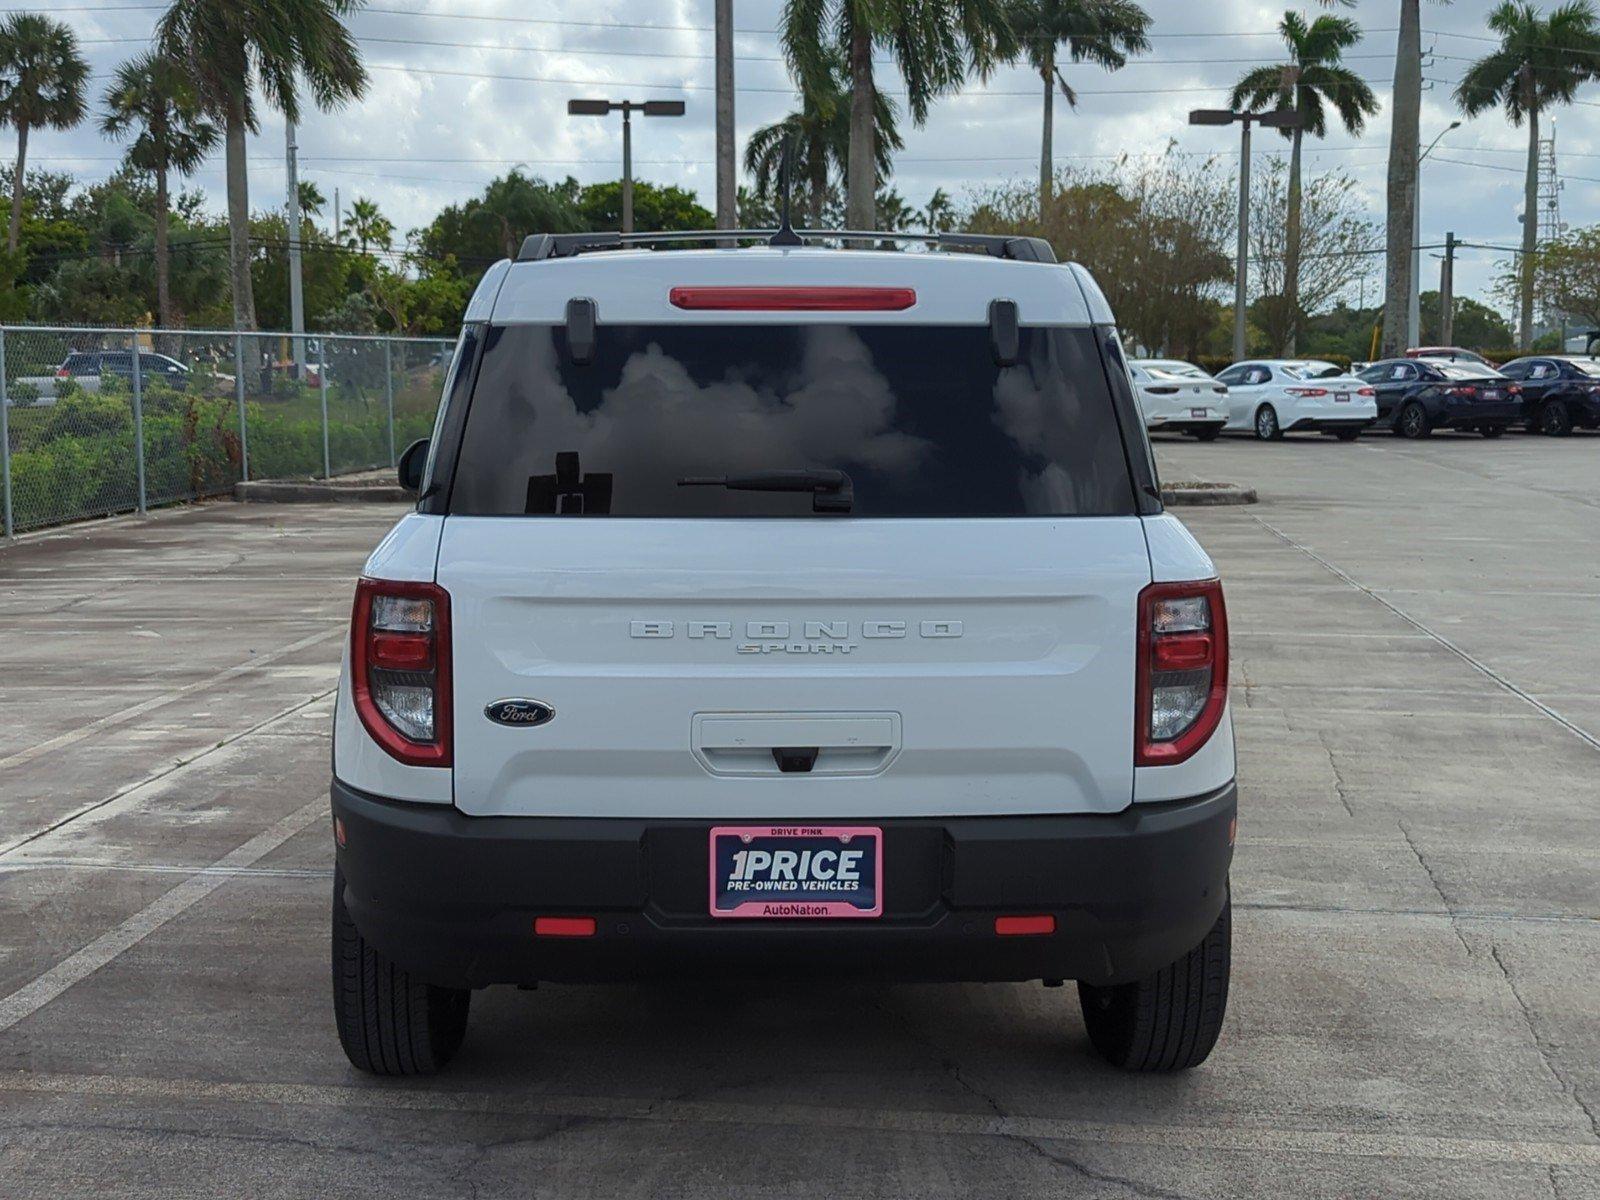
31, 997
408, 1098
123, 716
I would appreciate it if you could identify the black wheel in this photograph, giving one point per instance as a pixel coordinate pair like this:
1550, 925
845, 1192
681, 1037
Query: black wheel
1492, 431
1267, 428
389, 1023
1555, 420
1209, 434
1412, 421
1168, 1021
1347, 435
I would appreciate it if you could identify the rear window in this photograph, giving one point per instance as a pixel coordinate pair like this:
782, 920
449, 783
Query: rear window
1588, 366
919, 417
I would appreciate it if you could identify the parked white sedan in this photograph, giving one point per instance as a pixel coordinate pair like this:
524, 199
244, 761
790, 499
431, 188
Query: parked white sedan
1273, 396
1179, 397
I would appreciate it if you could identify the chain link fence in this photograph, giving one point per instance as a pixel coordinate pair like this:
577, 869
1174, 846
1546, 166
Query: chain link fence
101, 421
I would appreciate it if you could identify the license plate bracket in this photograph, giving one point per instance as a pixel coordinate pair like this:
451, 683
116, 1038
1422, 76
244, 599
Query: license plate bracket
796, 872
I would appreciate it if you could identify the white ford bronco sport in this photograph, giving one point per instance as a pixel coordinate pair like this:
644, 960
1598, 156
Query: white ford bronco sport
784, 610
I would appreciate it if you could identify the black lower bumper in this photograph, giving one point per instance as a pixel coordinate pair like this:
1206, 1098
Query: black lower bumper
453, 898
1328, 424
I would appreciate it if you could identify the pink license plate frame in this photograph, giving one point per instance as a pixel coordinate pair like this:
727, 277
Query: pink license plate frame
799, 908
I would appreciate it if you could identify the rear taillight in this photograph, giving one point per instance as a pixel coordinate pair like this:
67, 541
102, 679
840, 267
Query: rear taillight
400, 668
1306, 391
1365, 391
1513, 390
1220, 390
1183, 670
792, 299
1162, 391
63, 373
1461, 391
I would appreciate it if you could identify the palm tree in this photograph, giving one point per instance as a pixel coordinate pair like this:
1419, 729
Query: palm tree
1404, 154
368, 226
940, 213
231, 48
312, 201
1103, 32
152, 101
42, 79
1541, 61
820, 136
1311, 84
933, 43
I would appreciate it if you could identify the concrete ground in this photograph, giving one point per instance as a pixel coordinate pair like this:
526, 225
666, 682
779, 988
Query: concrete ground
1417, 897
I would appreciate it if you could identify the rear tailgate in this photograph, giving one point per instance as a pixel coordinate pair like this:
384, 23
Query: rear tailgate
937, 667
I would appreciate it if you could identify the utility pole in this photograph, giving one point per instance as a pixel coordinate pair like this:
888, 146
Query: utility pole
1287, 119
727, 191
336, 216
1414, 300
1447, 292
297, 300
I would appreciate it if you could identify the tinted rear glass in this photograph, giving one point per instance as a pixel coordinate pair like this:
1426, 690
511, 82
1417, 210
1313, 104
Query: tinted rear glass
1588, 366
919, 417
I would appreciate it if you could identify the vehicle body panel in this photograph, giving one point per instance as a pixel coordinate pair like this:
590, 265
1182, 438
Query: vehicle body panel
1170, 400
1268, 382
1464, 396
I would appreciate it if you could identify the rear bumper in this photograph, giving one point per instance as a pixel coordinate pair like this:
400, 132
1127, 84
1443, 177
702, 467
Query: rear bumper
1328, 424
1185, 424
453, 898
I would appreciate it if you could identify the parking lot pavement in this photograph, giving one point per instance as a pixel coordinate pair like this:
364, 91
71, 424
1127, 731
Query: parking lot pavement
1417, 926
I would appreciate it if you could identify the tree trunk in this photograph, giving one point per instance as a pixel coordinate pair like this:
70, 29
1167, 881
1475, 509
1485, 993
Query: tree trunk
1291, 254
244, 299
818, 184
1047, 166
1528, 268
861, 183
163, 265
726, 176
1403, 137
15, 233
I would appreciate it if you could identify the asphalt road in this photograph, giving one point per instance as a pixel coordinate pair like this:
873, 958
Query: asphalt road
1417, 897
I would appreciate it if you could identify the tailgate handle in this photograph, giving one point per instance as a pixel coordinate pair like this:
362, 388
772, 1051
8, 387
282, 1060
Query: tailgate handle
796, 743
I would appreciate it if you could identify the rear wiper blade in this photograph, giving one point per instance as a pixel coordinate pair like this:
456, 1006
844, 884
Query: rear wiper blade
831, 491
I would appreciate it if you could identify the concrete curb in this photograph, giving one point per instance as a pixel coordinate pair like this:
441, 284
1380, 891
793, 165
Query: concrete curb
313, 491
1196, 493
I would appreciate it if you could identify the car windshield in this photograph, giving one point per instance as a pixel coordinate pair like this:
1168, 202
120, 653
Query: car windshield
919, 417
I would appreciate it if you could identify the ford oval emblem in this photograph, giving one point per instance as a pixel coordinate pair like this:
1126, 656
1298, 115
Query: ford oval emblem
519, 712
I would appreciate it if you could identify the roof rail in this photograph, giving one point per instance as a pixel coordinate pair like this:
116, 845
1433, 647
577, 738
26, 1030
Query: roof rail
537, 247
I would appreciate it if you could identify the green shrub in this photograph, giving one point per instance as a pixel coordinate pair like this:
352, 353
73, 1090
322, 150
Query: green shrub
82, 414
22, 393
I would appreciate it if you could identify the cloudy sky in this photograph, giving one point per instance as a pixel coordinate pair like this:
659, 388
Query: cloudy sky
462, 90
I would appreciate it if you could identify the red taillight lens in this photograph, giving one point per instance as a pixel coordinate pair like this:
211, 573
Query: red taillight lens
1461, 391
1162, 391
1306, 391
792, 299
1366, 391
1183, 670
400, 669
63, 373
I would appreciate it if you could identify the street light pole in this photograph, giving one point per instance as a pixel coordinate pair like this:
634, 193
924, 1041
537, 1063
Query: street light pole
1414, 309
297, 305
650, 108
1286, 119
1241, 270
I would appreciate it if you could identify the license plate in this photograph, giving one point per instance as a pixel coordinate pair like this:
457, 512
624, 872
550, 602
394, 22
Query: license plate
1491, 394
796, 871
1342, 397
1197, 412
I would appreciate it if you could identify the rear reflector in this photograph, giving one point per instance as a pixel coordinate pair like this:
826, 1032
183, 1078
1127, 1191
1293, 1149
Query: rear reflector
1024, 926
564, 926
794, 299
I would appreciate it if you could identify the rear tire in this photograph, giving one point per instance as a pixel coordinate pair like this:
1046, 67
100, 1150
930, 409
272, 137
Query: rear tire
1347, 435
1267, 427
1554, 419
1208, 435
1167, 1021
1412, 422
389, 1023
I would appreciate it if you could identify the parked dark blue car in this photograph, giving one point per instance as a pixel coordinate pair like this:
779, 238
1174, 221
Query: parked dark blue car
1418, 395
1560, 394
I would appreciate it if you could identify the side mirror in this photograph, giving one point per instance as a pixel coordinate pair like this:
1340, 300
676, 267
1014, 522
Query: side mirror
412, 463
